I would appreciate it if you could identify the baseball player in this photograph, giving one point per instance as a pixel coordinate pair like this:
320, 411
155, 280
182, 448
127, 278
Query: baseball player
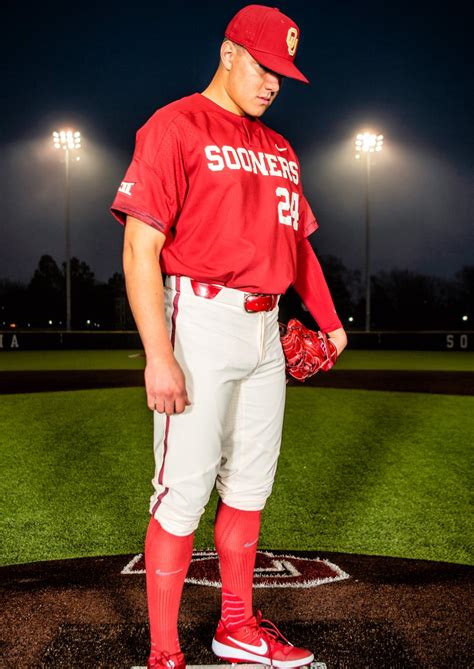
213, 201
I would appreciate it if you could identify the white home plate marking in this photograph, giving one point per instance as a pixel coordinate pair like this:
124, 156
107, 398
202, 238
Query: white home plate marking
129, 569
271, 571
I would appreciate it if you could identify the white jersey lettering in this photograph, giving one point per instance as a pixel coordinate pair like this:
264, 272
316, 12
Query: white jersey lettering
288, 207
231, 158
272, 161
294, 171
216, 163
240, 158
126, 187
244, 159
258, 163
284, 168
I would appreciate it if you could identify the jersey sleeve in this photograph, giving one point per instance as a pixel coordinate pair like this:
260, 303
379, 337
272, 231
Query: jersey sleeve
307, 220
313, 289
154, 187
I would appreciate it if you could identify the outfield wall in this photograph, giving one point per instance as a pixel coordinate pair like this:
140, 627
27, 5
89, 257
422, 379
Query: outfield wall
384, 341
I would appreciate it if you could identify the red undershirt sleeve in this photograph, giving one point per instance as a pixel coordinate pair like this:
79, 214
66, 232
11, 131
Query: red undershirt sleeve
311, 286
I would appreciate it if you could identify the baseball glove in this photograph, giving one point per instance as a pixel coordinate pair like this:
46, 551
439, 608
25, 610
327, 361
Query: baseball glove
306, 352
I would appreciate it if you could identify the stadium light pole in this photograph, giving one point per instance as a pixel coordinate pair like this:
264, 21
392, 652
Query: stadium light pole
367, 143
67, 140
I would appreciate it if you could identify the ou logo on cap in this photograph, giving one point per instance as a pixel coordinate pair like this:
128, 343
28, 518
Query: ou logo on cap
292, 41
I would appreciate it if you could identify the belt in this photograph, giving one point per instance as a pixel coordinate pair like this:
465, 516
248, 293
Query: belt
251, 302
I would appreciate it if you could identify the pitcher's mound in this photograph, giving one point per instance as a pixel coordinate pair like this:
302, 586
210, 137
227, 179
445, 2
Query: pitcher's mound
352, 611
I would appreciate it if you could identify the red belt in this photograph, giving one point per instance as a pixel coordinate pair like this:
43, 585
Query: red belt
252, 301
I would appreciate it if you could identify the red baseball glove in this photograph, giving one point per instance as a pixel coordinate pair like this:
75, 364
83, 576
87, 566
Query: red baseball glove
306, 352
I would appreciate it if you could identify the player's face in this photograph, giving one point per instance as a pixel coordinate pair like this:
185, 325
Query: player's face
252, 87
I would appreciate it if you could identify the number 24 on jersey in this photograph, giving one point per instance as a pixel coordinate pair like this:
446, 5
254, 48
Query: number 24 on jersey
288, 207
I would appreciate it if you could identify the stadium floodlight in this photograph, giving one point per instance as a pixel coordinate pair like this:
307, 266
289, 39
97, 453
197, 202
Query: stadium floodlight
67, 140
366, 143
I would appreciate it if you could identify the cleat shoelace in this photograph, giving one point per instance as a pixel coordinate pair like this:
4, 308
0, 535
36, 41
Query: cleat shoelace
162, 659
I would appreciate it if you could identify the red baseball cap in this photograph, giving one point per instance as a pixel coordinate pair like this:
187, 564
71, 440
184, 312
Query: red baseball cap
269, 36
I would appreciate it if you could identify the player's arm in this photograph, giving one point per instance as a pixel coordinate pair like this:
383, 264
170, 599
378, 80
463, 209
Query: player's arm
164, 378
312, 287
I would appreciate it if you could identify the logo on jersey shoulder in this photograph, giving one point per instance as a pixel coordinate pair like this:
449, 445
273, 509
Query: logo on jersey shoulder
281, 148
126, 187
292, 40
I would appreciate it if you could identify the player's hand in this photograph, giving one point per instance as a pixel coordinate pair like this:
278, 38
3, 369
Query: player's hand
339, 339
166, 387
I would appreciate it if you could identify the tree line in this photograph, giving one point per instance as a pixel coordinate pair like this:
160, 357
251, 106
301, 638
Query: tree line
400, 299
41, 303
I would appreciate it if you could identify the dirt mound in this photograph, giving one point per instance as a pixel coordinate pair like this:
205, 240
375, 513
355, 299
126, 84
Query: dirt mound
365, 613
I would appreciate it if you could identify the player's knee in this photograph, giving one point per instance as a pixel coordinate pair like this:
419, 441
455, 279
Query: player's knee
251, 498
175, 519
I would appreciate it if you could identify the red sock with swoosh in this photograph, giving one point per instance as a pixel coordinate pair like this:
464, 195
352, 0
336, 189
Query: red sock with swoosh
236, 535
167, 559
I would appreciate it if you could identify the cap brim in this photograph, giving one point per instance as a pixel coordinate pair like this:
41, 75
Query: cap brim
279, 65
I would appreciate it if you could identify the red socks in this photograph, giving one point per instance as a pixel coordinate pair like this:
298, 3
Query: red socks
167, 558
236, 536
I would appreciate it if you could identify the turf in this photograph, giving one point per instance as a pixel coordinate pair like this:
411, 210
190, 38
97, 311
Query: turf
133, 359
36, 360
448, 361
360, 471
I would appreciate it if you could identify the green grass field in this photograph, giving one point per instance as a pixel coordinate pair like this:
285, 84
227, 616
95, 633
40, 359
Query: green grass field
37, 360
455, 361
360, 472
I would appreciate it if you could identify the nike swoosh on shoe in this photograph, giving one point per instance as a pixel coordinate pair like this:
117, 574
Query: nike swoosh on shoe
259, 650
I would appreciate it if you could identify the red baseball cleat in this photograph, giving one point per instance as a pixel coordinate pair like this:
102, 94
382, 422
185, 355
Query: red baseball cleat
254, 643
167, 661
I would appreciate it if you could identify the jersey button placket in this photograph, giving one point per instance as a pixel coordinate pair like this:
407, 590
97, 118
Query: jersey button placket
245, 133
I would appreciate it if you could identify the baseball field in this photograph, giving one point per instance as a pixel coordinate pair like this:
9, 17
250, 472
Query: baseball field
377, 483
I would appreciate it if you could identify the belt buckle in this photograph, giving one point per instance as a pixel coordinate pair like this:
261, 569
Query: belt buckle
252, 297
247, 298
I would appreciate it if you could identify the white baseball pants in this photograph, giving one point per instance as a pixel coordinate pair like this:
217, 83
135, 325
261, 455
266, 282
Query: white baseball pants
230, 435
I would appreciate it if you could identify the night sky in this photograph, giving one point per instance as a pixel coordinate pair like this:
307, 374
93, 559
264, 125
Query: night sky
402, 69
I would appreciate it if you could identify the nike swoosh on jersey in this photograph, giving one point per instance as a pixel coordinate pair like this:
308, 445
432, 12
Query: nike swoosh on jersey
278, 148
259, 650
251, 543
158, 572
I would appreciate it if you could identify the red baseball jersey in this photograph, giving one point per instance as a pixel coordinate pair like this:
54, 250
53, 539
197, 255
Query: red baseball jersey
224, 189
